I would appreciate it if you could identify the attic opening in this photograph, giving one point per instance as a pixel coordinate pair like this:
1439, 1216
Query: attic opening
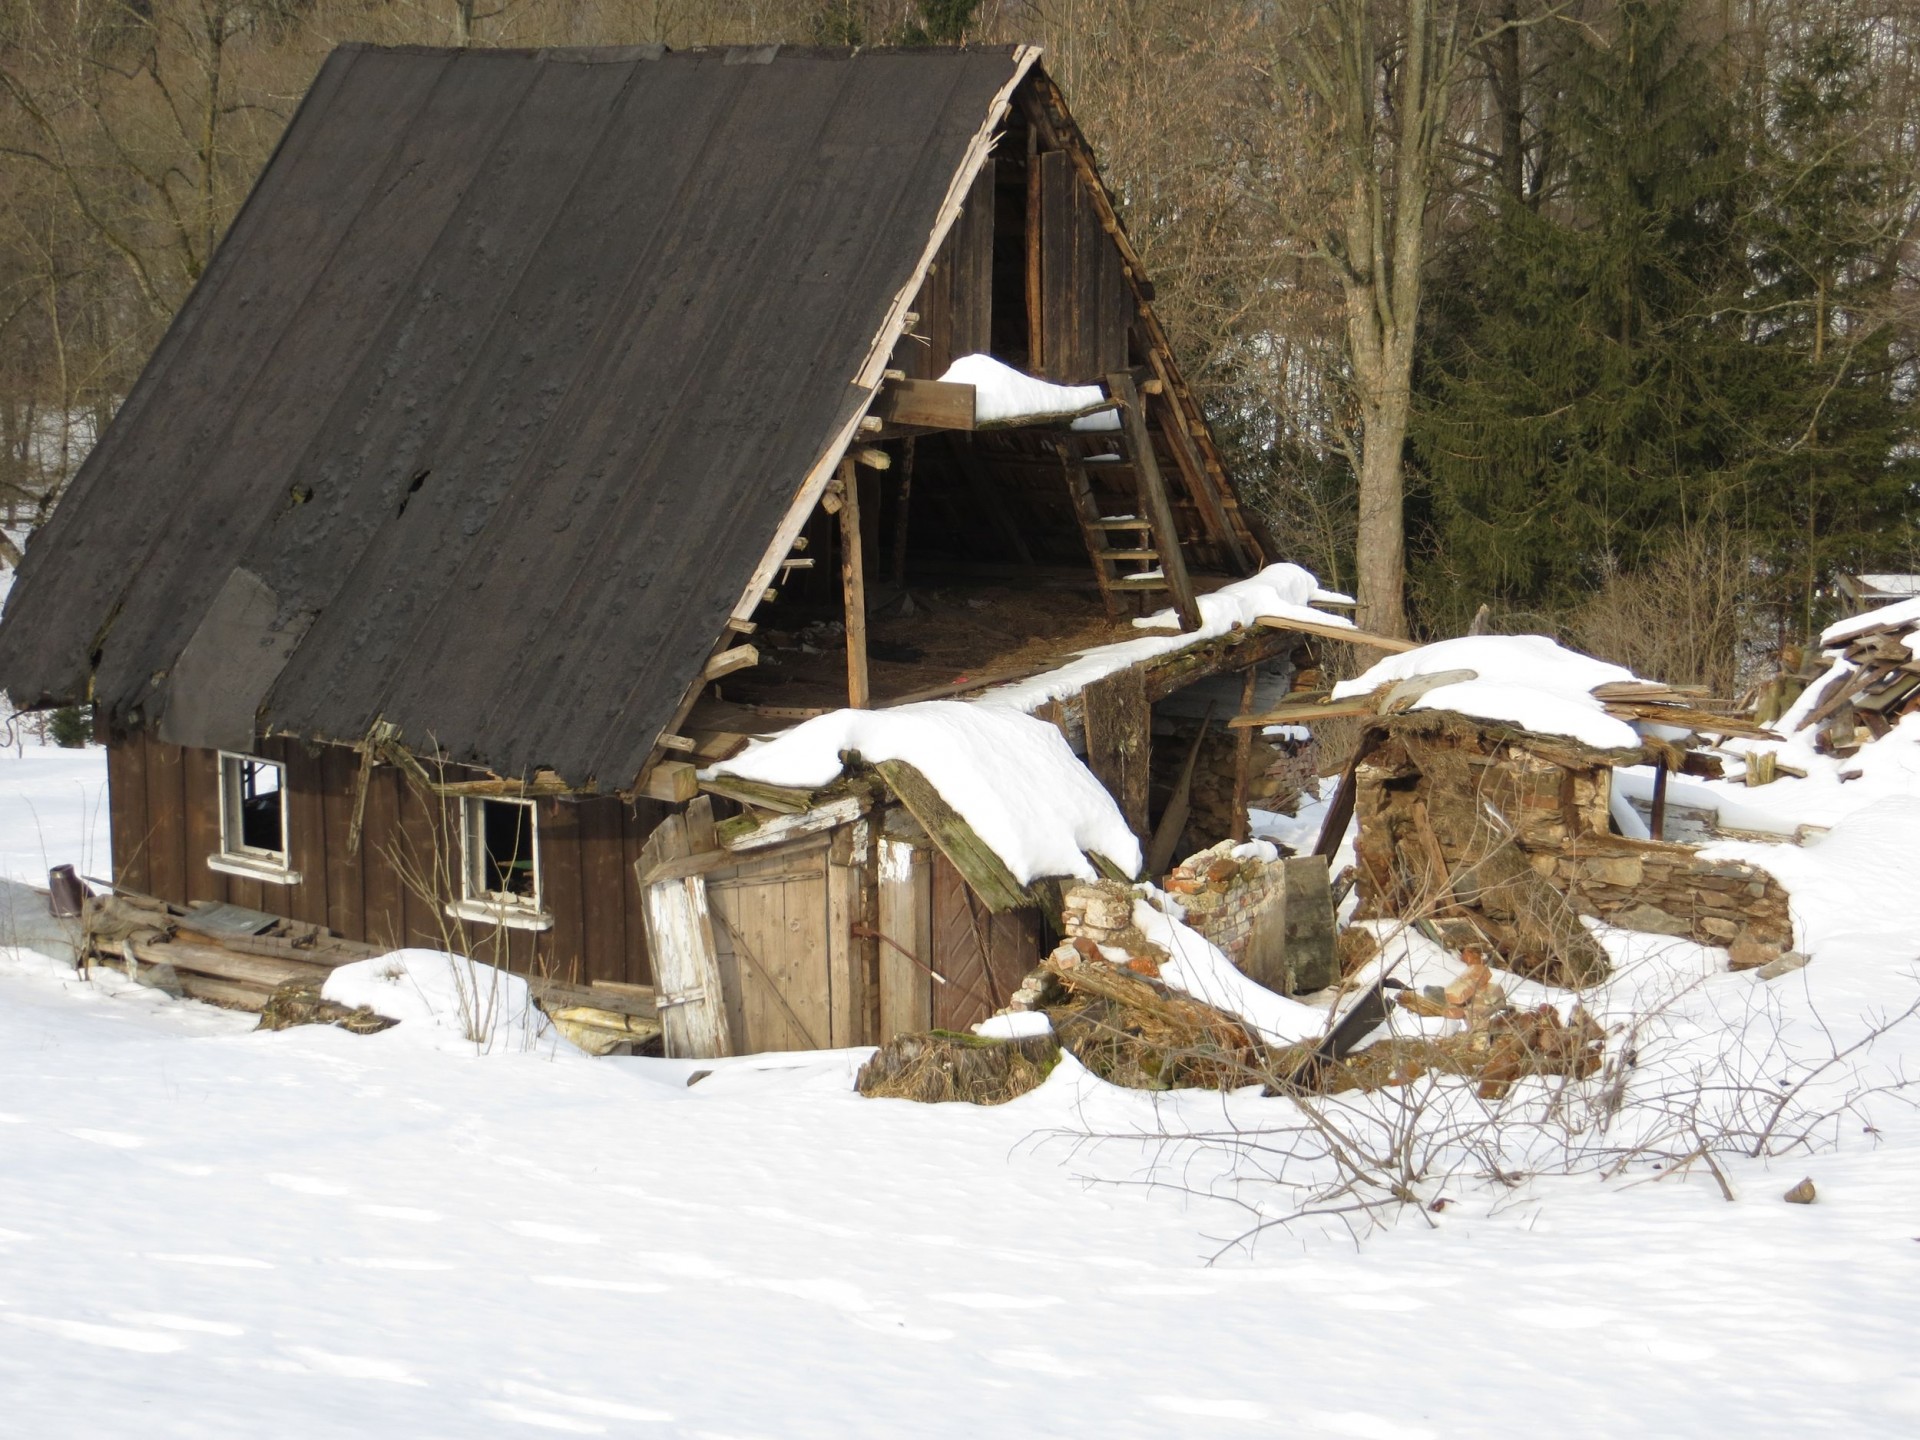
1001, 546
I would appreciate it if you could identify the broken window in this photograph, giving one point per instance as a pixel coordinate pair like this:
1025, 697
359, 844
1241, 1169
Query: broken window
502, 853
253, 818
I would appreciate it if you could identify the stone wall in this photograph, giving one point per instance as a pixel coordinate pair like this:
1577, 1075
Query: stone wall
1511, 832
1669, 889
1272, 918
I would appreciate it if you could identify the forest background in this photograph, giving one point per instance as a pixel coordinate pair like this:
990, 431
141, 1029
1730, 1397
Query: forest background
1601, 314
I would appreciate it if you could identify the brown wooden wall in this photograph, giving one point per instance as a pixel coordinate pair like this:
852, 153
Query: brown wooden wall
166, 820
1028, 242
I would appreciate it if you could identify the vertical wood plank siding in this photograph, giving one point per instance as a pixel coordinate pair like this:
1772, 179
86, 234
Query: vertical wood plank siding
165, 806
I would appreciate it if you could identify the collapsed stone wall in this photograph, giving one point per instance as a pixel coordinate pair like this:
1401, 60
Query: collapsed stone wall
1667, 889
1463, 820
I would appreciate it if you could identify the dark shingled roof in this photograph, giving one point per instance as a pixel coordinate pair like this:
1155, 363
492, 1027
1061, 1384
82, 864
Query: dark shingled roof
493, 398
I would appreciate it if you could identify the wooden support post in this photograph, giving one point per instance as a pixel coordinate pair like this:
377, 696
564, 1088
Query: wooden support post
853, 586
1155, 506
1036, 330
901, 513
1657, 822
1243, 764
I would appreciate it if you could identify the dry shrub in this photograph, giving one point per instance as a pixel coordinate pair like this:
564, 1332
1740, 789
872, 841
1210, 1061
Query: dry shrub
947, 1065
298, 1002
1686, 619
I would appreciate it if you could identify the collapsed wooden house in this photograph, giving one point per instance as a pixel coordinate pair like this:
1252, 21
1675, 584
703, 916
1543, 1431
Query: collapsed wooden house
549, 423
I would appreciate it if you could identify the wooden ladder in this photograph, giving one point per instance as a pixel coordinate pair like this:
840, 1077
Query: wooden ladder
1156, 540
1114, 542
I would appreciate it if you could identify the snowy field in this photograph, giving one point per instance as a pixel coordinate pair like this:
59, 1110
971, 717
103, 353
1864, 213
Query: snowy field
210, 1232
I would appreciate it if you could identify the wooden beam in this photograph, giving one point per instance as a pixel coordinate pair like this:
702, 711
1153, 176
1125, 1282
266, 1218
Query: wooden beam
1332, 629
1333, 829
671, 780
925, 404
1240, 823
1306, 712
1153, 498
740, 657
853, 588
984, 871
1194, 472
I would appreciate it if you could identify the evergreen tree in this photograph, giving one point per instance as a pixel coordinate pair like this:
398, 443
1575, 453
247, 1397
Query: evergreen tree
1682, 338
1570, 385
1835, 471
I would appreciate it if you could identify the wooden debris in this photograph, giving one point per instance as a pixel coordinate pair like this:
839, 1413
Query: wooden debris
1332, 629
1881, 685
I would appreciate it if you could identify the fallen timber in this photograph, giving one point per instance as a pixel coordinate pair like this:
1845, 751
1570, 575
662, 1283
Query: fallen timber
157, 943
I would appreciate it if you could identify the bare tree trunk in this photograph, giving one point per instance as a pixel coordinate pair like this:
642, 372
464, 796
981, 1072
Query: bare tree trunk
1386, 76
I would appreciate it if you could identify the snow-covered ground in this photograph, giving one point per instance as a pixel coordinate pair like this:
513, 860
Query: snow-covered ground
206, 1231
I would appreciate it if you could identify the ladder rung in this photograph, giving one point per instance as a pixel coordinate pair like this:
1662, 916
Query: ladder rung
1124, 522
1139, 582
1127, 555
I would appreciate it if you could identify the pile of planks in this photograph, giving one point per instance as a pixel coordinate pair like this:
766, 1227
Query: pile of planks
1683, 707
245, 959
1864, 702
217, 953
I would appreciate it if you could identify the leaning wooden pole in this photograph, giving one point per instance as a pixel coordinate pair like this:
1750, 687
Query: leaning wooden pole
853, 586
1242, 822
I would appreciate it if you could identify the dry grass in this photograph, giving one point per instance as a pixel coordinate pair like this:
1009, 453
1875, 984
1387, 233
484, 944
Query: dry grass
946, 1065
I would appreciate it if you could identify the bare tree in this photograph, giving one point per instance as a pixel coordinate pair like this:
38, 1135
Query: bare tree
1384, 74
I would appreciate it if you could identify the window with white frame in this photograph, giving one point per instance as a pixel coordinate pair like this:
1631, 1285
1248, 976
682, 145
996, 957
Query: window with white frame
500, 855
253, 819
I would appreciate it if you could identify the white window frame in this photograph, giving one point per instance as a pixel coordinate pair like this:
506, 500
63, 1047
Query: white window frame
235, 856
496, 907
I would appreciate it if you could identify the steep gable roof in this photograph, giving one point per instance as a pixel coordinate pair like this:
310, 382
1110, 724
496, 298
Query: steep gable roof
496, 394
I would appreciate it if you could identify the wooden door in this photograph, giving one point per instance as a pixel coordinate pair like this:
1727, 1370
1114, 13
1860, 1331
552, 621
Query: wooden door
770, 918
983, 956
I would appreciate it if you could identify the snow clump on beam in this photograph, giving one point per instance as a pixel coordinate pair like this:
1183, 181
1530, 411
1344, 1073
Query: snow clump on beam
1010, 776
1523, 680
1887, 616
1003, 395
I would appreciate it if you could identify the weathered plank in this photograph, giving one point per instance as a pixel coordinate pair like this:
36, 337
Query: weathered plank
984, 870
687, 986
1119, 725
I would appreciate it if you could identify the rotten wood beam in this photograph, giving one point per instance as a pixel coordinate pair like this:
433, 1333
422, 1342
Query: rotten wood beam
1241, 824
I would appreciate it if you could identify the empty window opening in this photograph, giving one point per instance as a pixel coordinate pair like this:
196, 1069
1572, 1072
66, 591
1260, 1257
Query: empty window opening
502, 853
253, 811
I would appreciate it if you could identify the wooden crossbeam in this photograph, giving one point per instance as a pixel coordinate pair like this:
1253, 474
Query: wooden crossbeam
925, 404
1332, 629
